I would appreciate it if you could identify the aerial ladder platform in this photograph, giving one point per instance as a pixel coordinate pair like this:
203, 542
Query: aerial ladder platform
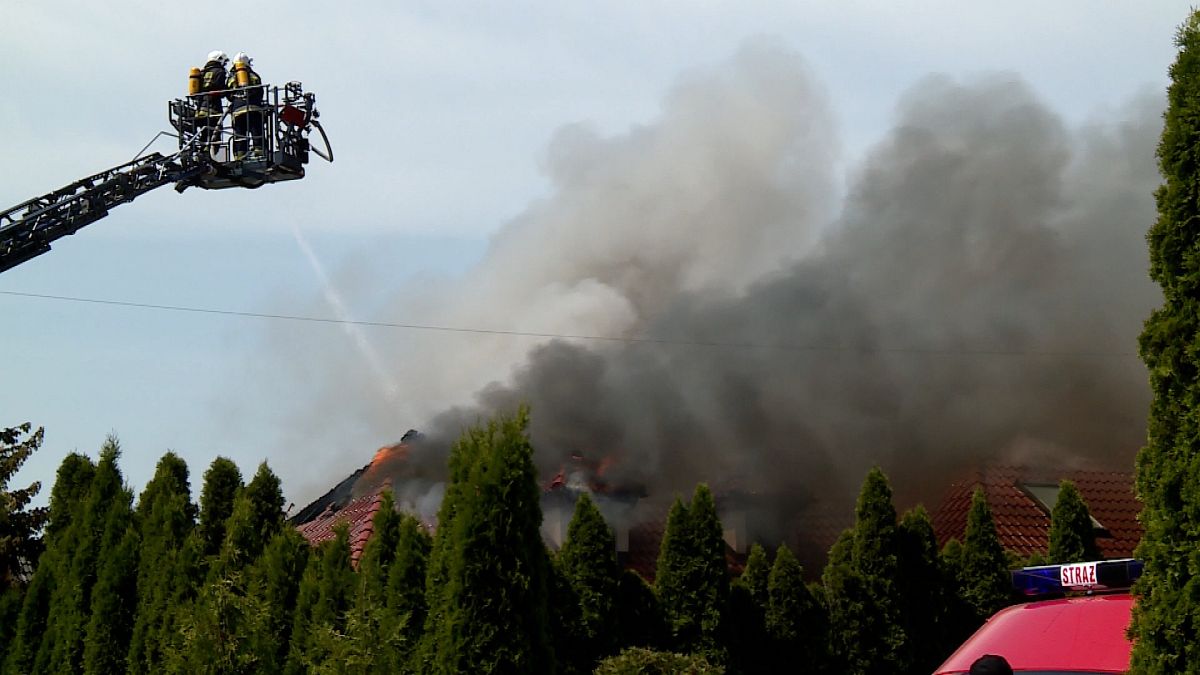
210, 156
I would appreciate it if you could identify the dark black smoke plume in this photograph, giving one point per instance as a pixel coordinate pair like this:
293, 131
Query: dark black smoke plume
976, 295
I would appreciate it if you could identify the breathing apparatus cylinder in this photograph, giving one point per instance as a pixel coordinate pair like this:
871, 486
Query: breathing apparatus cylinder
242, 72
194, 82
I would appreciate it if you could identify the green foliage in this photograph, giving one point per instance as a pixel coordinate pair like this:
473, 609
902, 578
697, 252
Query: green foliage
1166, 617
405, 592
492, 614
983, 578
1072, 536
34, 631
214, 634
863, 600
464, 454
952, 557
239, 619
324, 599
114, 590
757, 574
378, 554
368, 644
96, 530
274, 586
307, 593
19, 525
222, 483
373, 637
640, 620
928, 600
166, 517
795, 622
641, 661
114, 601
692, 579
750, 649
257, 515
588, 561
10, 610
571, 648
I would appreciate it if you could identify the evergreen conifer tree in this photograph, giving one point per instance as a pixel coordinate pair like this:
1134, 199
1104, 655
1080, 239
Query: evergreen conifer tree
379, 553
750, 648
464, 454
757, 574
99, 528
307, 594
10, 609
175, 635
861, 592
588, 560
983, 578
926, 594
406, 597
71, 485
795, 620
327, 596
951, 556
494, 614
224, 627
20, 545
165, 516
257, 515
1165, 617
215, 635
274, 583
640, 618
674, 557
222, 483
111, 611
572, 653
374, 637
114, 601
961, 616
1072, 537
692, 579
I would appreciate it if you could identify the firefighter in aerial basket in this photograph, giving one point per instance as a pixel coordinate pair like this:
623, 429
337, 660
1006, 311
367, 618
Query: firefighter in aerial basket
245, 92
205, 88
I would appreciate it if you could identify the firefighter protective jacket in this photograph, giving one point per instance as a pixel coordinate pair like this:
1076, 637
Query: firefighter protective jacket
212, 81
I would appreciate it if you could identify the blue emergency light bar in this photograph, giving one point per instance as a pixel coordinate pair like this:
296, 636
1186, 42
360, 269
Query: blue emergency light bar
1101, 575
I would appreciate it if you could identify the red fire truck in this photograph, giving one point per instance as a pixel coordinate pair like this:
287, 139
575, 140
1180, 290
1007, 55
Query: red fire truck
1079, 628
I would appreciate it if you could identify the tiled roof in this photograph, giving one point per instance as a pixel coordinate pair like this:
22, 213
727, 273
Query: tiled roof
1024, 526
358, 514
814, 532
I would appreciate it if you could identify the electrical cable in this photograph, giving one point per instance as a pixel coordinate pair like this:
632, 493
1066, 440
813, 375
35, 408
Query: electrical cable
570, 336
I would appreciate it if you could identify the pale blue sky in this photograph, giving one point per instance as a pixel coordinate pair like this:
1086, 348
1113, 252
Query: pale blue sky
440, 114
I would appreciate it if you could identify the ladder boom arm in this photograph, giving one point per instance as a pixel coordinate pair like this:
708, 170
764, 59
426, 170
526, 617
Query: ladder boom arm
27, 229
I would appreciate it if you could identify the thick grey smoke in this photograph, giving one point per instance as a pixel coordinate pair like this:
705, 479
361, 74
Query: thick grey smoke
975, 295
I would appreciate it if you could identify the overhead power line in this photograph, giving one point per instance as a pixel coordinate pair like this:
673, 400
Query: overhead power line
572, 336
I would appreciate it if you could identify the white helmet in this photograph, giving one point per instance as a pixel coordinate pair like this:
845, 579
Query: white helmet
243, 57
218, 56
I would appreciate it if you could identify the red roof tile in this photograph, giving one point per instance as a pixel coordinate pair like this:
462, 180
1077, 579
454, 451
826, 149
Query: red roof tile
358, 514
1023, 525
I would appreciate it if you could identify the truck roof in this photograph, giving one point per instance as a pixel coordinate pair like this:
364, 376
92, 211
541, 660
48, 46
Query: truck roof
1068, 635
